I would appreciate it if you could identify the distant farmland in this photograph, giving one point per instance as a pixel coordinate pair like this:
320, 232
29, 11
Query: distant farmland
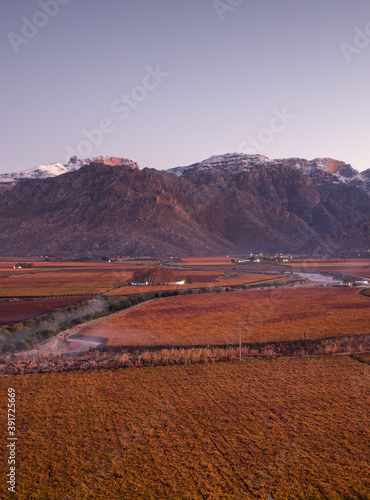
201, 281
58, 283
298, 429
355, 267
12, 312
265, 315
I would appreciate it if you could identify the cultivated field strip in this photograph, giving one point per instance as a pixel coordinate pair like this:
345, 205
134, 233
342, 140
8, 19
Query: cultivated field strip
265, 316
61, 283
242, 279
20, 310
296, 428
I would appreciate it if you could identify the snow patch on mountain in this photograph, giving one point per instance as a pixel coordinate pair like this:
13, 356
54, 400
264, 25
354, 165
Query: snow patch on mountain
334, 171
56, 169
229, 161
317, 170
40, 172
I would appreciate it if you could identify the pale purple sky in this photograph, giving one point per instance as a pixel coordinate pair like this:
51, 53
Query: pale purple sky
227, 71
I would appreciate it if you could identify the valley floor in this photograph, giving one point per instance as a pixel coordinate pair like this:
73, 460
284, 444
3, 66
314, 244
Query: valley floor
298, 429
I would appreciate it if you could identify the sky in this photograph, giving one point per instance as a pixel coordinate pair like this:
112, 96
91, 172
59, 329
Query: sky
168, 83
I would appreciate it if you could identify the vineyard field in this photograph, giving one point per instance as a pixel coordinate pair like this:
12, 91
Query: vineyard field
297, 429
206, 261
55, 284
199, 276
222, 281
265, 315
364, 357
12, 312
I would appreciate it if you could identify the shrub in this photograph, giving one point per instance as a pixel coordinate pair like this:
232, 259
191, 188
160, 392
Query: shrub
21, 345
49, 332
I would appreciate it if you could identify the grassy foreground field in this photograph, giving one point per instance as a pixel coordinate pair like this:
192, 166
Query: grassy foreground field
230, 431
266, 315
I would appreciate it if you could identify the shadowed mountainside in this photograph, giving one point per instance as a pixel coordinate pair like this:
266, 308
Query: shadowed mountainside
236, 204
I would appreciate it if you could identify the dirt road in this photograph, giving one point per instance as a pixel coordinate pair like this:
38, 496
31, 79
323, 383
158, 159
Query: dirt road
64, 343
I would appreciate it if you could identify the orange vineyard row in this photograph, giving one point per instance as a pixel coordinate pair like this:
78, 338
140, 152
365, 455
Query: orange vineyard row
295, 428
60, 283
265, 315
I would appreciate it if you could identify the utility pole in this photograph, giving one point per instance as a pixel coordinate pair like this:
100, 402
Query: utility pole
240, 343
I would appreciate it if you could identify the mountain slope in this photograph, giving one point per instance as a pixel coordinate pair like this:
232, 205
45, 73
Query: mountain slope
343, 241
325, 168
228, 204
279, 187
102, 209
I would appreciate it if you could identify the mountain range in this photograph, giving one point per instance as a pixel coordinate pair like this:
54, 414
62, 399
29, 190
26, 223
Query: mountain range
54, 169
232, 203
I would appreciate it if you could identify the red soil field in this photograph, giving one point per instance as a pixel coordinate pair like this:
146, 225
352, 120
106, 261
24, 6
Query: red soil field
12, 312
265, 315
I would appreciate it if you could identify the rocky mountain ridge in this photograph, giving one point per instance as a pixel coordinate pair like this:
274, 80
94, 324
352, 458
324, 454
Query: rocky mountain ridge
326, 168
228, 204
336, 171
55, 169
